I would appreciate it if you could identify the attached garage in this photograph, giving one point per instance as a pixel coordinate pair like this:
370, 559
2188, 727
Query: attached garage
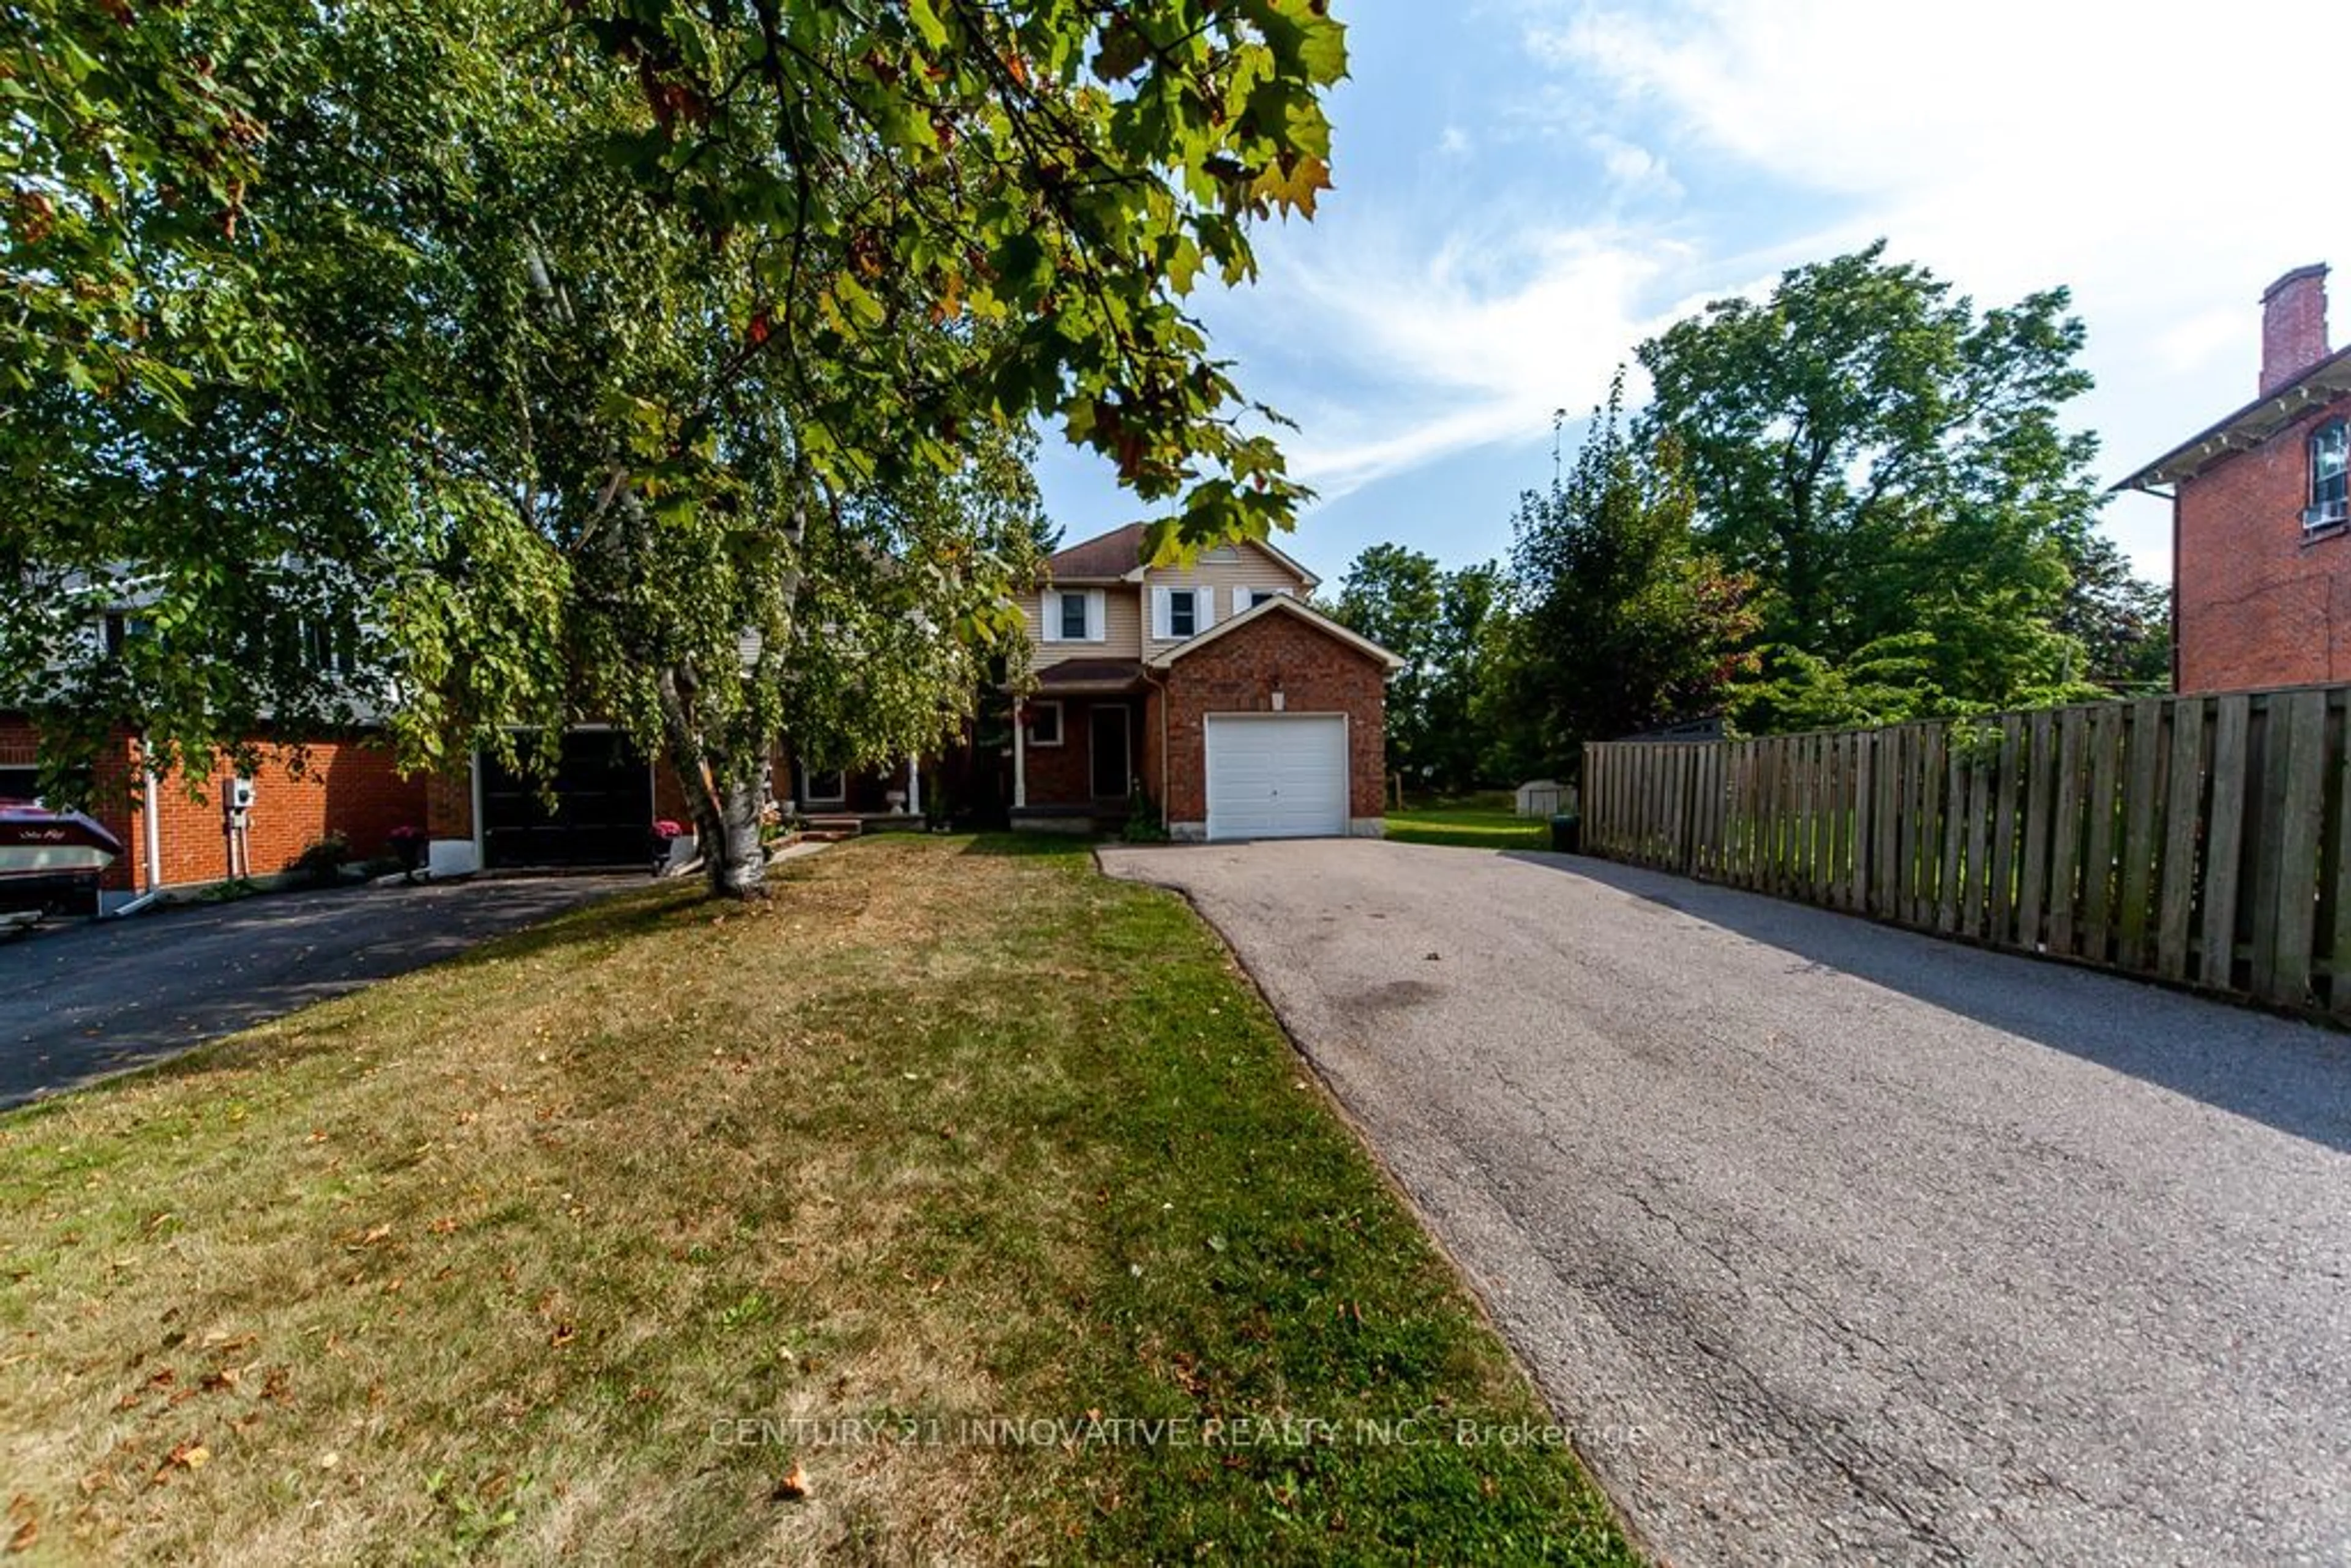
1277, 775
603, 815
1271, 725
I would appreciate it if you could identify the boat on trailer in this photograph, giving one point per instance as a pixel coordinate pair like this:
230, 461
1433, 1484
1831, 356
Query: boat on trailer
49, 859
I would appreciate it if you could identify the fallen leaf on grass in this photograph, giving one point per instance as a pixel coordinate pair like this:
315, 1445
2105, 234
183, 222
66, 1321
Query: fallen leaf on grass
188, 1456
793, 1487
564, 1335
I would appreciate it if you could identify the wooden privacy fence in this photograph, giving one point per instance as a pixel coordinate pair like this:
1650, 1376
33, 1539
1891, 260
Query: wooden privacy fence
2200, 839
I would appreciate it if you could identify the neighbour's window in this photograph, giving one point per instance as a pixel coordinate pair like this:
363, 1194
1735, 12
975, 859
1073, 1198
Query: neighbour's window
329, 646
1183, 611
1073, 617
2330, 474
1044, 723
122, 628
20, 783
1258, 596
827, 784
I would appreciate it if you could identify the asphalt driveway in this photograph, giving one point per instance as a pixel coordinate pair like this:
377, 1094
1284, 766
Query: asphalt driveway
100, 998
1831, 1241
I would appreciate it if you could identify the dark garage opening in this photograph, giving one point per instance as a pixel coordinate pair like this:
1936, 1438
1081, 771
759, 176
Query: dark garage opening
604, 808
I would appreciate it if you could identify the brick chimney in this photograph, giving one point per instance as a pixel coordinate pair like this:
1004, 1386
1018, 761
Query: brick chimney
2293, 325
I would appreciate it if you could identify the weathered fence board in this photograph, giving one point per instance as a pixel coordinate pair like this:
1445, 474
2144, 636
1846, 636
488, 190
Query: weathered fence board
2000, 889
2306, 800
2201, 840
2098, 865
2178, 837
2066, 838
2032, 882
2224, 840
2136, 847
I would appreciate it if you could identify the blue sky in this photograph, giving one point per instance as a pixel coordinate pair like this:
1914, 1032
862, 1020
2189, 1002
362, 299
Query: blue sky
1527, 188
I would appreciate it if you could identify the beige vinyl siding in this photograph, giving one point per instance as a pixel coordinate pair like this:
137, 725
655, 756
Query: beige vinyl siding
1121, 621
1252, 568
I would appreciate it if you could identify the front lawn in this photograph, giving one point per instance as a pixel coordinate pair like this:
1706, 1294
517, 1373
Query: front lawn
956, 1205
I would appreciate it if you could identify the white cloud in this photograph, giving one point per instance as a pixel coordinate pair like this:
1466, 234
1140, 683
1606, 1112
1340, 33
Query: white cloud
1414, 355
1635, 170
1453, 143
2150, 158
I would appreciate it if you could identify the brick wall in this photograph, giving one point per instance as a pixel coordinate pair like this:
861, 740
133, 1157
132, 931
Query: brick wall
1063, 775
2260, 603
19, 742
1239, 672
346, 787
449, 803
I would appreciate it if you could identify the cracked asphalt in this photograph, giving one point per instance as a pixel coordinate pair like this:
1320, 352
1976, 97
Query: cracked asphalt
1828, 1240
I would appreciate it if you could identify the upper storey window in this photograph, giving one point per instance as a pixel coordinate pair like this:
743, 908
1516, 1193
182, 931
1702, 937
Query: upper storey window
2330, 474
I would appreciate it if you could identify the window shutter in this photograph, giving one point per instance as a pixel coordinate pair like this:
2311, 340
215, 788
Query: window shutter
1204, 613
1097, 616
1050, 617
1159, 614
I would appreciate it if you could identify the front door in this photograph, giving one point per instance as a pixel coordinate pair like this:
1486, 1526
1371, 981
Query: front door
1112, 771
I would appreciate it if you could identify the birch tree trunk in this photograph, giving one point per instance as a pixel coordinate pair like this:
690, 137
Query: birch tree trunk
733, 856
725, 791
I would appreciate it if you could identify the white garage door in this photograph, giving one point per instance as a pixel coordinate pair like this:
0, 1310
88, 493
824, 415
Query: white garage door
1277, 775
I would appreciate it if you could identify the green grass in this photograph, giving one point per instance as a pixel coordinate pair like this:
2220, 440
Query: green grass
1484, 822
669, 1231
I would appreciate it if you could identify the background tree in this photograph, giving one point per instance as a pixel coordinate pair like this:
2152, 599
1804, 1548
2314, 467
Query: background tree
1442, 624
1888, 463
1472, 616
664, 360
1395, 597
2122, 621
1624, 621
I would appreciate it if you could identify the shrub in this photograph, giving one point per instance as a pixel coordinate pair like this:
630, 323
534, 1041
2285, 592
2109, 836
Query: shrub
1143, 823
320, 865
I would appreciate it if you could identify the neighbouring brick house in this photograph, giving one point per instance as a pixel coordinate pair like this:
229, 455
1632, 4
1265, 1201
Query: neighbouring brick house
2261, 540
1239, 708
171, 839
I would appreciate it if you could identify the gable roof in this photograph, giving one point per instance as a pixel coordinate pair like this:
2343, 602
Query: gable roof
2251, 425
1105, 557
1117, 557
1280, 604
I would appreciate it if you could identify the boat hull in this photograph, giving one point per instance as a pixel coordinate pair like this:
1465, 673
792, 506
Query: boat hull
50, 861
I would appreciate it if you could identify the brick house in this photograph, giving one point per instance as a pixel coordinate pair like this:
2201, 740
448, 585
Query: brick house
2261, 540
1240, 709
345, 786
